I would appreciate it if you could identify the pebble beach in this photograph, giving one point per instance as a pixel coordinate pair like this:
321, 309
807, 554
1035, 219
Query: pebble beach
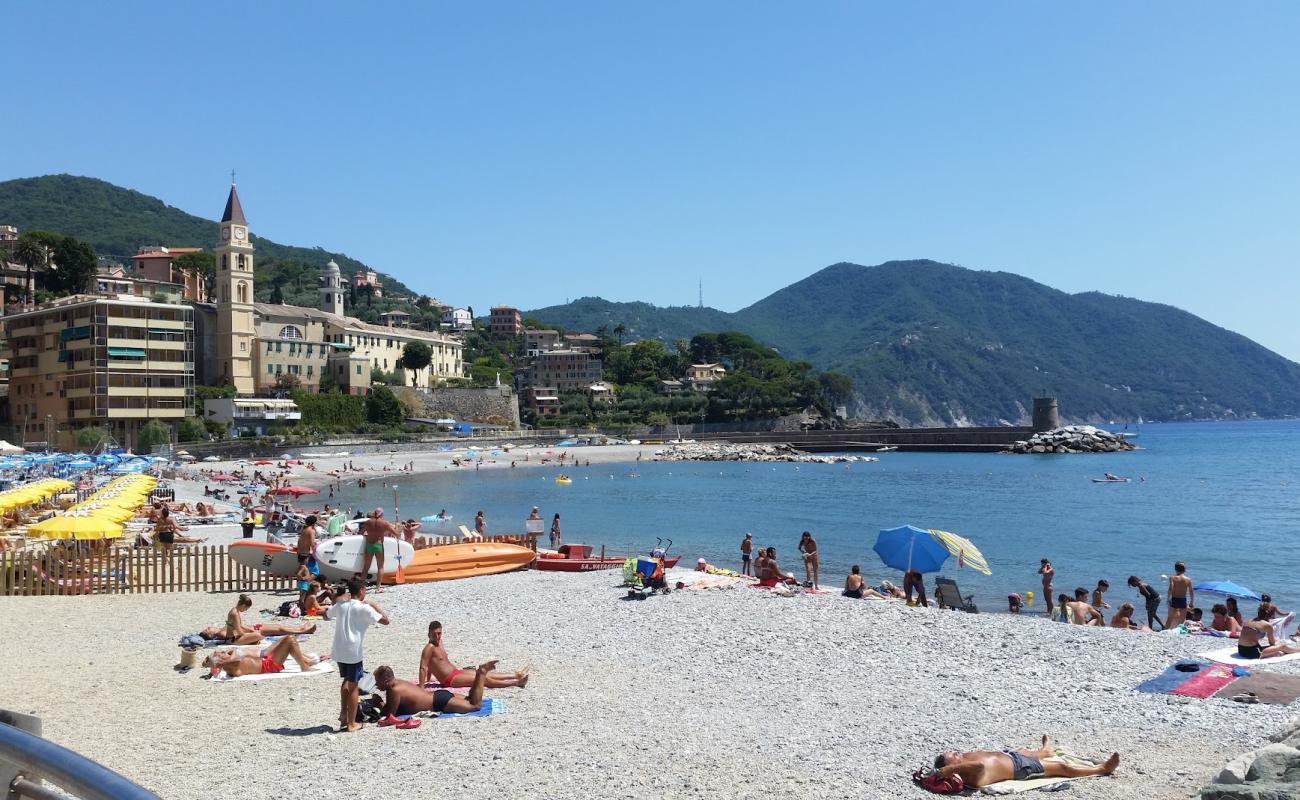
706, 693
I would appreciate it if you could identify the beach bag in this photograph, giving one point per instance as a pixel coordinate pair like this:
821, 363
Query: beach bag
289, 608
369, 710
938, 783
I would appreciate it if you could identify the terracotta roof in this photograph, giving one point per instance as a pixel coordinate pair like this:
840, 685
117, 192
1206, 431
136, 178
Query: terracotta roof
347, 323
234, 212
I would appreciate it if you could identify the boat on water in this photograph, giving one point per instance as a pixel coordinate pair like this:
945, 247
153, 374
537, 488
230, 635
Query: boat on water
1112, 479
889, 449
578, 558
564, 480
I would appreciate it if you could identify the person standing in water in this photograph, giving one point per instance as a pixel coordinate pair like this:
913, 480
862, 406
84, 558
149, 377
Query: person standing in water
555, 532
1045, 569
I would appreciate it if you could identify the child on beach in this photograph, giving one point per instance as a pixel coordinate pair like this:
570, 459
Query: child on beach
1152, 599
352, 617
1097, 600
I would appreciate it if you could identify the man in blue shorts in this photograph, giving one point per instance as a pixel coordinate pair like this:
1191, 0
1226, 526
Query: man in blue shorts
352, 618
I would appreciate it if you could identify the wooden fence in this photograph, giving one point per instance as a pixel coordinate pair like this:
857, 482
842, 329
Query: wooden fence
65, 570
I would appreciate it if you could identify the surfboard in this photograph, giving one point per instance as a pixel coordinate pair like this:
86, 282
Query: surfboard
453, 561
342, 556
269, 557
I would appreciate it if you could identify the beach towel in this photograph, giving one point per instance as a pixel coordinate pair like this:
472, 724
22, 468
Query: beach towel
492, 706
1206, 682
1228, 655
291, 670
1049, 784
1272, 688
1172, 677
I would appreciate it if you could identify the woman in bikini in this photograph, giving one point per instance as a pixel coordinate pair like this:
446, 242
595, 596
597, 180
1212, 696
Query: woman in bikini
808, 546
1254, 633
167, 533
1123, 619
235, 662
239, 633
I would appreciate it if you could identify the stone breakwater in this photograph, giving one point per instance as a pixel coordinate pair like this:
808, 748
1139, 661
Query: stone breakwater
1273, 771
1073, 439
723, 451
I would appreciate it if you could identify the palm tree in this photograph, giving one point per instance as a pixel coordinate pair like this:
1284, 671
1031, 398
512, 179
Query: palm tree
620, 330
32, 254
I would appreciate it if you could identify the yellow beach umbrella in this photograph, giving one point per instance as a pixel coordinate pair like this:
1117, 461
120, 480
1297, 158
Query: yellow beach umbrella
71, 527
968, 555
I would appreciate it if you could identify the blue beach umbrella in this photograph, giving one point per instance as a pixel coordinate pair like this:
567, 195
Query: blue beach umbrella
1227, 589
908, 547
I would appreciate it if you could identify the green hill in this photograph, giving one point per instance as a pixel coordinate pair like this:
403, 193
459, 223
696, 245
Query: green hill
934, 343
642, 320
117, 222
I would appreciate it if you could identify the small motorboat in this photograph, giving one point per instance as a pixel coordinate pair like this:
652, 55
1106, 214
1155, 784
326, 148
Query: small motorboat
1111, 479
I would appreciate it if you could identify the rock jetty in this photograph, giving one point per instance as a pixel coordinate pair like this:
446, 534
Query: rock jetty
1073, 439
725, 451
1273, 771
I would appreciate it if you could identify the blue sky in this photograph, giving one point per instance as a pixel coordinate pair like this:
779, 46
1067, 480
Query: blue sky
530, 153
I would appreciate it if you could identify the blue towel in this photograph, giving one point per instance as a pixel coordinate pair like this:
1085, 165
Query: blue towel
1171, 678
491, 707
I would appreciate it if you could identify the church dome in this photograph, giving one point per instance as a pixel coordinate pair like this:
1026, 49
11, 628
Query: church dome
332, 267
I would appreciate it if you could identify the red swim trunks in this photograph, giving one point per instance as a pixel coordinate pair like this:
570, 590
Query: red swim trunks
452, 677
270, 667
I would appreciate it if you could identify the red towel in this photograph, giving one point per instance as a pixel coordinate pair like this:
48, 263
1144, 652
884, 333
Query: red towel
1206, 682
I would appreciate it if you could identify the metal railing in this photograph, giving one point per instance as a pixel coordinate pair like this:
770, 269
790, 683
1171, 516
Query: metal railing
73, 773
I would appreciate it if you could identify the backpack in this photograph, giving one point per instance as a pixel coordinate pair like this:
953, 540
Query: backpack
369, 710
938, 783
289, 608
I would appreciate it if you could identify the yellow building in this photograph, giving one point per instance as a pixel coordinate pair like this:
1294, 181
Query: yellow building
114, 362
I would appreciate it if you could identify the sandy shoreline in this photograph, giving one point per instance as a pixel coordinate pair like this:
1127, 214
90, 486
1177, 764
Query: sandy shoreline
730, 693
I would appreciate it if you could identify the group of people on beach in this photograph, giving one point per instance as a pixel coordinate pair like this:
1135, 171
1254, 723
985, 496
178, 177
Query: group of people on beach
768, 571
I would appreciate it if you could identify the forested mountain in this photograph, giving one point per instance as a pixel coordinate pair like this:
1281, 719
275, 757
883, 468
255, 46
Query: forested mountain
117, 222
933, 343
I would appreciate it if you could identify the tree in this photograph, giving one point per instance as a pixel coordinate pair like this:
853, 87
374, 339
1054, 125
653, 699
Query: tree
31, 252
383, 407
191, 430
90, 437
836, 387
75, 263
153, 434
287, 383
415, 357
620, 330
199, 263
328, 384
277, 295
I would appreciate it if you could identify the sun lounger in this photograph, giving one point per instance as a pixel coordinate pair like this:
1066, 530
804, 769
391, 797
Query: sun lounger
469, 535
949, 596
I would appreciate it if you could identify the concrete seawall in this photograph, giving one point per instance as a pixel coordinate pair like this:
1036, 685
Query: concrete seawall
943, 440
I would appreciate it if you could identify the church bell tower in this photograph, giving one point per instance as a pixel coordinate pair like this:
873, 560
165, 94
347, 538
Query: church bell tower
236, 327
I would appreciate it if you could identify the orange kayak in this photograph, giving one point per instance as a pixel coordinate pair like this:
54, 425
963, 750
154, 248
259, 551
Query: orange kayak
452, 561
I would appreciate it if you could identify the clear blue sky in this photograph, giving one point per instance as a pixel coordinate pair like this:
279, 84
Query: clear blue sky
529, 153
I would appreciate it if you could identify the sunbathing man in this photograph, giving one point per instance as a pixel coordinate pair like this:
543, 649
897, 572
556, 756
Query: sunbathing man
986, 767
436, 666
855, 586
1080, 612
404, 697
1257, 630
1222, 621
237, 632
770, 573
267, 662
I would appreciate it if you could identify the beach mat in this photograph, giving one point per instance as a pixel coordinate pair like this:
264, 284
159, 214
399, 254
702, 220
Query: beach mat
290, 671
1172, 677
492, 706
1228, 655
1209, 680
1030, 784
1272, 688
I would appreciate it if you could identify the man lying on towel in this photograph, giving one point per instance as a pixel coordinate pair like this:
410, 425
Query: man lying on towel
1259, 629
986, 767
436, 666
252, 662
403, 697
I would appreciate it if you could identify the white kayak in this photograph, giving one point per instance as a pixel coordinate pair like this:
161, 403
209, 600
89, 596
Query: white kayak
343, 556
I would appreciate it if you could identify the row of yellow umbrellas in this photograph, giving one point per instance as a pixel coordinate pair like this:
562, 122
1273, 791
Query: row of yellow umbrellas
100, 516
32, 493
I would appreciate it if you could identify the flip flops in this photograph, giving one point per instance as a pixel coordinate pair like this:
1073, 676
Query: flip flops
401, 724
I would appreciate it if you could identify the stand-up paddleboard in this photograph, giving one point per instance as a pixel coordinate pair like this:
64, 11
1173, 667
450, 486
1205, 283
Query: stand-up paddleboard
342, 556
452, 561
268, 557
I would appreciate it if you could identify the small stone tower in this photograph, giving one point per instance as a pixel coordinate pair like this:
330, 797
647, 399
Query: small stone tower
1046, 414
331, 289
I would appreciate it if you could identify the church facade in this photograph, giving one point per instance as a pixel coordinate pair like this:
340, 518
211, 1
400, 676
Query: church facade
251, 345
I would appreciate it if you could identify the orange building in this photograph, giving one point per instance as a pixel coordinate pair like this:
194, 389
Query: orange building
156, 264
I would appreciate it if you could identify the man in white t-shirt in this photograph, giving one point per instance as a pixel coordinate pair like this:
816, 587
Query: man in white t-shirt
352, 618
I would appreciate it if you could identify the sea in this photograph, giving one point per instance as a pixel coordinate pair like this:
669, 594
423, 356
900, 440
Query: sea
1224, 497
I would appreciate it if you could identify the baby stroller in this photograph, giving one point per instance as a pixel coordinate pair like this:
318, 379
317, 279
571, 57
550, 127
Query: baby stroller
649, 573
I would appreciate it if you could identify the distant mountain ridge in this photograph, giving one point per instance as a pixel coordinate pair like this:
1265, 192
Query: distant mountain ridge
118, 221
932, 343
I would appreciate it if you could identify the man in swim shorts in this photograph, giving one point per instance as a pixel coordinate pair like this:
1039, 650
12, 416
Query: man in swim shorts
746, 551
435, 666
1258, 630
1181, 595
246, 661
375, 529
404, 697
986, 767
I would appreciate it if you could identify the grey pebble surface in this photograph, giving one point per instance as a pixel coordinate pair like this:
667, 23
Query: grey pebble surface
708, 693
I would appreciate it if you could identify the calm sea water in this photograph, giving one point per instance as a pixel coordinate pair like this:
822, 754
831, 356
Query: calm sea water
1220, 496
